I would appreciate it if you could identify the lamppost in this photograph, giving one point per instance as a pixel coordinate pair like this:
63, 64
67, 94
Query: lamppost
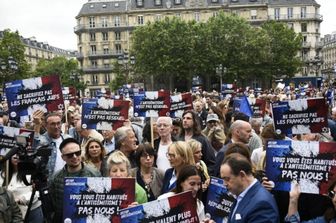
7, 68
125, 60
221, 71
77, 81
316, 64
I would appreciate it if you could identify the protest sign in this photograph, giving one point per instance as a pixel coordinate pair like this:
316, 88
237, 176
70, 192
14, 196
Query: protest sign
69, 94
152, 104
258, 108
179, 104
8, 138
29, 95
312, 164
96, 199
177, 208
300, 116
228, 91
219, 201
104, 114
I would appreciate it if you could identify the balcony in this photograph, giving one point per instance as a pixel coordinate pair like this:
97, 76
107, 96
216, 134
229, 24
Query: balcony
79, 56
308, 16
319, 45
306, 45
98, 69
102, 54
100, 27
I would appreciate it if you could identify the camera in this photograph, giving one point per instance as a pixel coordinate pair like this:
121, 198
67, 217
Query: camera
32, 161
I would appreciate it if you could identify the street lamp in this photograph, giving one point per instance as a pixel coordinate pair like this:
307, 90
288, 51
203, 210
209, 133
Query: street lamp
125, 60
315, 64
221, 71
7, 68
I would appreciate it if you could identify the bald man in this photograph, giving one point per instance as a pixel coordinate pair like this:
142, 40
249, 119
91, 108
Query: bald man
241, 131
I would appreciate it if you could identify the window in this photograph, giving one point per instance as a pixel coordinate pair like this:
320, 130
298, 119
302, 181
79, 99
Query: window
177, 2
94, 64
107, 78
106, 64
95, 79
290, 25
178, 15
303, 27
214, 1
289, 13
157, 2
215, 14
117, 21
197, 16
140, 20
104, 21
106, 49
253, 14
92, 22
93, 49
277, 13
303, 12
140, 3
117, 36
118, 48
92, 36
80, 38
105, 36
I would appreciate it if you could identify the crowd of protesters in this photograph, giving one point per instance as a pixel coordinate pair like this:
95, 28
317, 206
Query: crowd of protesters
209, 140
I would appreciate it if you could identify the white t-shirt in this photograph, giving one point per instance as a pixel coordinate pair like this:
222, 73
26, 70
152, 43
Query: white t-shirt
162, 161
59, 164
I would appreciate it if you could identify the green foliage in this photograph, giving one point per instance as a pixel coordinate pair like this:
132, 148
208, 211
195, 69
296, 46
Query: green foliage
11, 46
67, 69
284, 47
120, 77
173, 48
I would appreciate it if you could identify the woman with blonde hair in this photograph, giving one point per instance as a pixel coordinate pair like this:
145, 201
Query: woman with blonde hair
196, 148
120, 167
179, 154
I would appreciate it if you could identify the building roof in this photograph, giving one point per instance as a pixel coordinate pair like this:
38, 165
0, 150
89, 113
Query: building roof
292, 2
102, 7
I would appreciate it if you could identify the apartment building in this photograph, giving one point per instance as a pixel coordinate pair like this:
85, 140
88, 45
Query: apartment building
104, 28
329, 56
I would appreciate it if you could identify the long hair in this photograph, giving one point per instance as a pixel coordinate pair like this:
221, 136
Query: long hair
87, 145
196, 123
186, 172
11, 171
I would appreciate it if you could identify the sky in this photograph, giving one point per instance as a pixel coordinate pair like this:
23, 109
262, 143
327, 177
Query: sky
53, 21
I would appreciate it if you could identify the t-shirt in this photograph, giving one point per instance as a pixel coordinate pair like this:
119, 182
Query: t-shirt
162, 161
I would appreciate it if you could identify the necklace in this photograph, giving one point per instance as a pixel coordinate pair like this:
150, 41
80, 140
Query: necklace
147, 180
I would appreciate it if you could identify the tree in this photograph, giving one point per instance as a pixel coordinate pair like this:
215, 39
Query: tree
67, 69
12, 49
284, 47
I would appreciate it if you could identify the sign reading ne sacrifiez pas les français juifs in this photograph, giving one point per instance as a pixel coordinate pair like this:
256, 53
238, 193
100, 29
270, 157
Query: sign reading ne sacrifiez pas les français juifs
300, 116
310, 163
29, 95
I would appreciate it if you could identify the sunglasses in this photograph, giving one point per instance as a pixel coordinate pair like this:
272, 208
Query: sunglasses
70, 155
331, 194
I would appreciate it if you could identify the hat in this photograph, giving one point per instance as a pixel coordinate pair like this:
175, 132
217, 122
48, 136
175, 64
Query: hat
212, 117
67, 141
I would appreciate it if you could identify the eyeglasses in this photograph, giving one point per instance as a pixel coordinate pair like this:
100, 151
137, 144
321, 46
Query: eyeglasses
70, 155
145, 155
331, 194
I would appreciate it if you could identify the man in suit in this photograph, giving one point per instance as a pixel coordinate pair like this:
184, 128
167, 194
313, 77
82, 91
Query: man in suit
254, 203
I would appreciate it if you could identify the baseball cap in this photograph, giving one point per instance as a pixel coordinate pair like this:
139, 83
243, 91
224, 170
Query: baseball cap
212, 117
